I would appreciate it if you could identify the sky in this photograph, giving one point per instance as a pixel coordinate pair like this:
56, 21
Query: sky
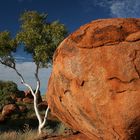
72, 13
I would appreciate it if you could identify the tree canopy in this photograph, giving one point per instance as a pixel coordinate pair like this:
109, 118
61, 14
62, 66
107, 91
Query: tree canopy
39, 37
7, 47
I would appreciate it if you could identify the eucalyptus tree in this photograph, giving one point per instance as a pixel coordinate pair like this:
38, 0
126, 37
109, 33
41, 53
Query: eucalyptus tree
40, 38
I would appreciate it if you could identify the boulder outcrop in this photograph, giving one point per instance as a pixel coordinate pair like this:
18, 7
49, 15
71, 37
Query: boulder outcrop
10, 109
95, 82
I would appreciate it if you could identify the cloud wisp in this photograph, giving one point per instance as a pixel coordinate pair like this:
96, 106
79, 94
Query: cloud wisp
125, 8
20, 59
117, 8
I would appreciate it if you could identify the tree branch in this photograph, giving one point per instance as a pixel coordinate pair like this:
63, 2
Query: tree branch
45, 117
37, 78
14, 68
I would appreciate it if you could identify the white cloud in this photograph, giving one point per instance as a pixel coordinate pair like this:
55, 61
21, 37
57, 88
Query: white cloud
27, 69
22, 59
125, 8
118, 8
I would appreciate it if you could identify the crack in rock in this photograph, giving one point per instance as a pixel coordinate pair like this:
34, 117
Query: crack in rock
133, 61
122, 81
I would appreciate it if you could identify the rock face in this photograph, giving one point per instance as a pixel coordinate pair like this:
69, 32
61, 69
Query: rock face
95, 82
9, 109
27, 100
42, 106
29, 96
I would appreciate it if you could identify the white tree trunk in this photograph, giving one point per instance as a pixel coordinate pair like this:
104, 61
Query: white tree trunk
40, 121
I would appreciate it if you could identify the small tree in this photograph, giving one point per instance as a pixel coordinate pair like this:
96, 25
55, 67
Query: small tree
39, 38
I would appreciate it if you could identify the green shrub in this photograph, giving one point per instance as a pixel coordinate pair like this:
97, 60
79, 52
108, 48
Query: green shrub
6, 100
7, 88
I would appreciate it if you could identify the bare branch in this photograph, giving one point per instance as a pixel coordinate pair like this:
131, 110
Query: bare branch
3, 63
14, 68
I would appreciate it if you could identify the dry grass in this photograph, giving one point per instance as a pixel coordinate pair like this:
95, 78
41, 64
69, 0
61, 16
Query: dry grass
28, 135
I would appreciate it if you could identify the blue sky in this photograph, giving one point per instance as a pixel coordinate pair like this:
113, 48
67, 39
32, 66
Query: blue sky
72, 13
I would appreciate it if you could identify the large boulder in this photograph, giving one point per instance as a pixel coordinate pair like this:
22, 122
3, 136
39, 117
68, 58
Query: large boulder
95, 82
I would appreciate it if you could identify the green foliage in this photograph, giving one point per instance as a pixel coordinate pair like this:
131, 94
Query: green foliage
7, 47
39, 37
7, 44
6, 90
8, 87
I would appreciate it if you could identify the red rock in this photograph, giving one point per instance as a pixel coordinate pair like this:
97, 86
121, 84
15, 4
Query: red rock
27, 100
9, 109
22, 108
43, 105
19, 99
28, 94
133, 37
2, 119
95, 82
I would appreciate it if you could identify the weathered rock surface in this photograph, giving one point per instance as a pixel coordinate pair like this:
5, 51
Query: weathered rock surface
29, 95
42, 106
23, 109
27, 100
95, 82
10, 109
2, 119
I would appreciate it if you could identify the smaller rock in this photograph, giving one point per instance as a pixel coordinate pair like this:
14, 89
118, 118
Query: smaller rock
27, 100
28, 94
19, 99
42, 106
23, 109
68, 131
2, 119
10, 109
